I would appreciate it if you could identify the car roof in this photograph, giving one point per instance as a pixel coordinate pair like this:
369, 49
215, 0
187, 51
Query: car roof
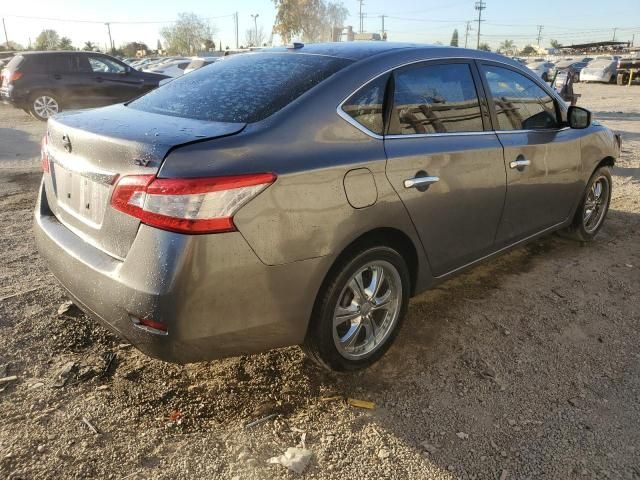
350, 50
65, 52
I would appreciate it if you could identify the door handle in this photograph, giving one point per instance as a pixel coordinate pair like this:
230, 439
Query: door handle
99, 79
57, 76
520, 163
417, 182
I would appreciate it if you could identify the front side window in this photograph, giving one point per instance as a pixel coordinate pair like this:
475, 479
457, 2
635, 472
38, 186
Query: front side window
435, 99
366, 105
105, 65
520, 103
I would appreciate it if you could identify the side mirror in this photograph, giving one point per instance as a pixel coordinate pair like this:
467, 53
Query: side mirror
578, 117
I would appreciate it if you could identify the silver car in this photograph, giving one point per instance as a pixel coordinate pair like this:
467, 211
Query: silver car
601, 69
302, 195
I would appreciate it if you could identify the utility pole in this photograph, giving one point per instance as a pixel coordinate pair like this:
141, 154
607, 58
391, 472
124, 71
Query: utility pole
480, 6
361, 16
466, 34
383, 17
633, 38
6, 38
110, 40
540, 27
255, 23
235, 19
614, 34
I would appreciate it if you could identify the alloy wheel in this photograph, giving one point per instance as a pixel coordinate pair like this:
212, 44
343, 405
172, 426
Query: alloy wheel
45, 106
595, 206
367, 311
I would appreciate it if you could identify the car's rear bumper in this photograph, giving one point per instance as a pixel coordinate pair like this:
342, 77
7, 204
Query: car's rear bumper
8, 96
213, 293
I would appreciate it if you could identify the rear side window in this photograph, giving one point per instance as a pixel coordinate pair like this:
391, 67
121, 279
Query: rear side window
366, 105
520, 104
49, 63
435, 99
241, 88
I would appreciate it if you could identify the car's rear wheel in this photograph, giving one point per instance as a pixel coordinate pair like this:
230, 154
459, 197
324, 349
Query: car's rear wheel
593, 209
43, 105
359, 310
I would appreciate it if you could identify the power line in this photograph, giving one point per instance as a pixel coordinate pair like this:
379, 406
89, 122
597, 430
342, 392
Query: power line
75, 20
480, 6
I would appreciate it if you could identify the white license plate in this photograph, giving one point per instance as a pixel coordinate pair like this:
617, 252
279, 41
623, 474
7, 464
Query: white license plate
80, 196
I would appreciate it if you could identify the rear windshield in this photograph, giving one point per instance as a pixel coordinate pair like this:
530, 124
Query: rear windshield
14, 62
241, 88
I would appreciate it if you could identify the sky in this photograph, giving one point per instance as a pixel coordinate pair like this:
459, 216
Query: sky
424, 21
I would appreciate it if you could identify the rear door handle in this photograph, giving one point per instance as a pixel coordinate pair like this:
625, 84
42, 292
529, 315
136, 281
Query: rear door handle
99, 79
520, 163
417, 182
57, 76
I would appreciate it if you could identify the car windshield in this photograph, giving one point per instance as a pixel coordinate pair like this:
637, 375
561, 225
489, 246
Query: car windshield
242, 88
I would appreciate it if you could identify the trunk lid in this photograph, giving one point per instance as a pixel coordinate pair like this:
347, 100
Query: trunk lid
90, 150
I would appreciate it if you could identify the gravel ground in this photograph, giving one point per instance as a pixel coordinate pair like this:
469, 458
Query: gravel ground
525, 367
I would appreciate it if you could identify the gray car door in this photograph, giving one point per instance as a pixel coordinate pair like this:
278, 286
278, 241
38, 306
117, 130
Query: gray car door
542, 157
445, 162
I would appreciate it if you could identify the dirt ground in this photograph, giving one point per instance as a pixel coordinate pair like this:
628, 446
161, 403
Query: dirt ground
526, 367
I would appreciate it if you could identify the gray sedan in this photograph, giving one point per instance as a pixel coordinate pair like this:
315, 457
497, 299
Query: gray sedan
302, 195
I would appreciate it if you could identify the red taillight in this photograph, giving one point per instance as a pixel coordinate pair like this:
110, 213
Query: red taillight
187, 205
44, 154
11, 76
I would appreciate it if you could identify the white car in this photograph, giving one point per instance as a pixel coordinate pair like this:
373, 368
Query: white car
601, 69
199, 62
174, 68
541, 68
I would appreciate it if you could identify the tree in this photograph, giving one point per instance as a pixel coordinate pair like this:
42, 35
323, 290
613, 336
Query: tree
528, 50
89, 47
209, 45
454, 38
187, 35
555, 44
313, 20
65, 44
131, 48
158, 46
508, 47
484, 47
11, 47
47, 40
254, 38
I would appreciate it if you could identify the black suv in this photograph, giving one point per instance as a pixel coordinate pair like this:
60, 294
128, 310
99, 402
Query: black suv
45, 83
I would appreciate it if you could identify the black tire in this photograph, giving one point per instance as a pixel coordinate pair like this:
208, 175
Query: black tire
37, 96
578, 230
622, 79
319, 343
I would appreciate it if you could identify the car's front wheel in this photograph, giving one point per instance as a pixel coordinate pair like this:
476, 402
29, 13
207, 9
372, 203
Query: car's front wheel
359, 310
43, 105
593, 208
